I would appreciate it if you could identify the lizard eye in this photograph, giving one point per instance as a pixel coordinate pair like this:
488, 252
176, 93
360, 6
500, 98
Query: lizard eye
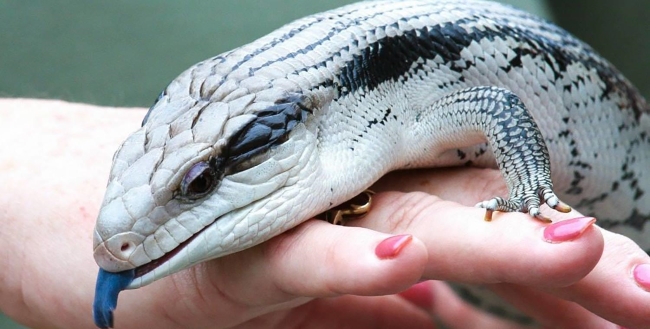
200, 180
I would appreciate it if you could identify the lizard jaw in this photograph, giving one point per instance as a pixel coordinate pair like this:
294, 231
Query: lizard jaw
145, 274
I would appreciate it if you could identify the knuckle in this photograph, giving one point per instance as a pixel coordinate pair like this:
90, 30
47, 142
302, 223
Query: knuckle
408, 208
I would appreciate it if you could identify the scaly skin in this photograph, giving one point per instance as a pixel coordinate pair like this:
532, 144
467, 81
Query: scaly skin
246, 145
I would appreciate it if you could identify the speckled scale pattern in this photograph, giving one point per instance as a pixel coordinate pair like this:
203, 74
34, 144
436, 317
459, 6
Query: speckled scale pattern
368, 88
513, 136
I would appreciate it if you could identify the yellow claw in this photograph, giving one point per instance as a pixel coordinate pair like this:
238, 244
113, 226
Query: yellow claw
343, 213
488, 215
562, 207
543, 219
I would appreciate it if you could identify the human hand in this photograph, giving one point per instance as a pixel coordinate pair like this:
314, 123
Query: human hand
585, 282
53, 179
53, 182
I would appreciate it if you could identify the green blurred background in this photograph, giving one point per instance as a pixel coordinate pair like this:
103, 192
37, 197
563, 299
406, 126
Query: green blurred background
123, 53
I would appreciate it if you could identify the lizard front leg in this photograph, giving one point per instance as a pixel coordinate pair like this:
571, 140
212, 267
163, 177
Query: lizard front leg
500, 117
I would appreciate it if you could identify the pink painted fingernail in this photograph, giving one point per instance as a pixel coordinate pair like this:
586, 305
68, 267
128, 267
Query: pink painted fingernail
391, 247
420, 294
642, 275
567, 229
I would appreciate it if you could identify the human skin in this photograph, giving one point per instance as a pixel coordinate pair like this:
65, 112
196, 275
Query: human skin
54, 165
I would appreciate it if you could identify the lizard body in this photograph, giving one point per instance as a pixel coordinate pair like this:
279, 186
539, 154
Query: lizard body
246, 145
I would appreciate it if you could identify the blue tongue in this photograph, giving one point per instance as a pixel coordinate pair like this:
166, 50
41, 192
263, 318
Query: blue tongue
107, 288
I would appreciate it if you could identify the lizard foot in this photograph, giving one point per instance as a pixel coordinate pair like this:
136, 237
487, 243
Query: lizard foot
528, 202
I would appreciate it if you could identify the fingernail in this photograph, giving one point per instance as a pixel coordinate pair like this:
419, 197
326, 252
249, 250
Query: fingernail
391, 247
642, 275
420, 294
567, 229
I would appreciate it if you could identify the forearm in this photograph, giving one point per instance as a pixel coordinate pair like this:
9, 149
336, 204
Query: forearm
45, 157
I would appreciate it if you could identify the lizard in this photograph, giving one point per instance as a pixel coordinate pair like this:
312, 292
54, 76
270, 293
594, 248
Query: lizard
250, 143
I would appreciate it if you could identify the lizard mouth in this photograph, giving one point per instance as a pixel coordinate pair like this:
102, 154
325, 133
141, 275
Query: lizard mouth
354, 208
152, 265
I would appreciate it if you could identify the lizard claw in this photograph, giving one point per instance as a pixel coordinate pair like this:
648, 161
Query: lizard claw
357, 207
526, 203
490, 206
553, 201
537, 214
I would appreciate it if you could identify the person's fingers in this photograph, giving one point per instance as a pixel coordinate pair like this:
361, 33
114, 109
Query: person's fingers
456, 313
442, 303
611, 290
347, 311
549, 310
608, 294
420, 294
462, 247
321, 260
316, 259
357, 312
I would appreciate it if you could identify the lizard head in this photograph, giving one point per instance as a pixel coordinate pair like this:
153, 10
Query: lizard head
194, 182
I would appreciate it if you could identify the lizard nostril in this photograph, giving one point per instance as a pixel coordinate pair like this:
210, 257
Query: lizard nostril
114, 254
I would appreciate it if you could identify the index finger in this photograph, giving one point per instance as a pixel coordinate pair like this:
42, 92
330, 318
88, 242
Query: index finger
616, 289
462, 247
